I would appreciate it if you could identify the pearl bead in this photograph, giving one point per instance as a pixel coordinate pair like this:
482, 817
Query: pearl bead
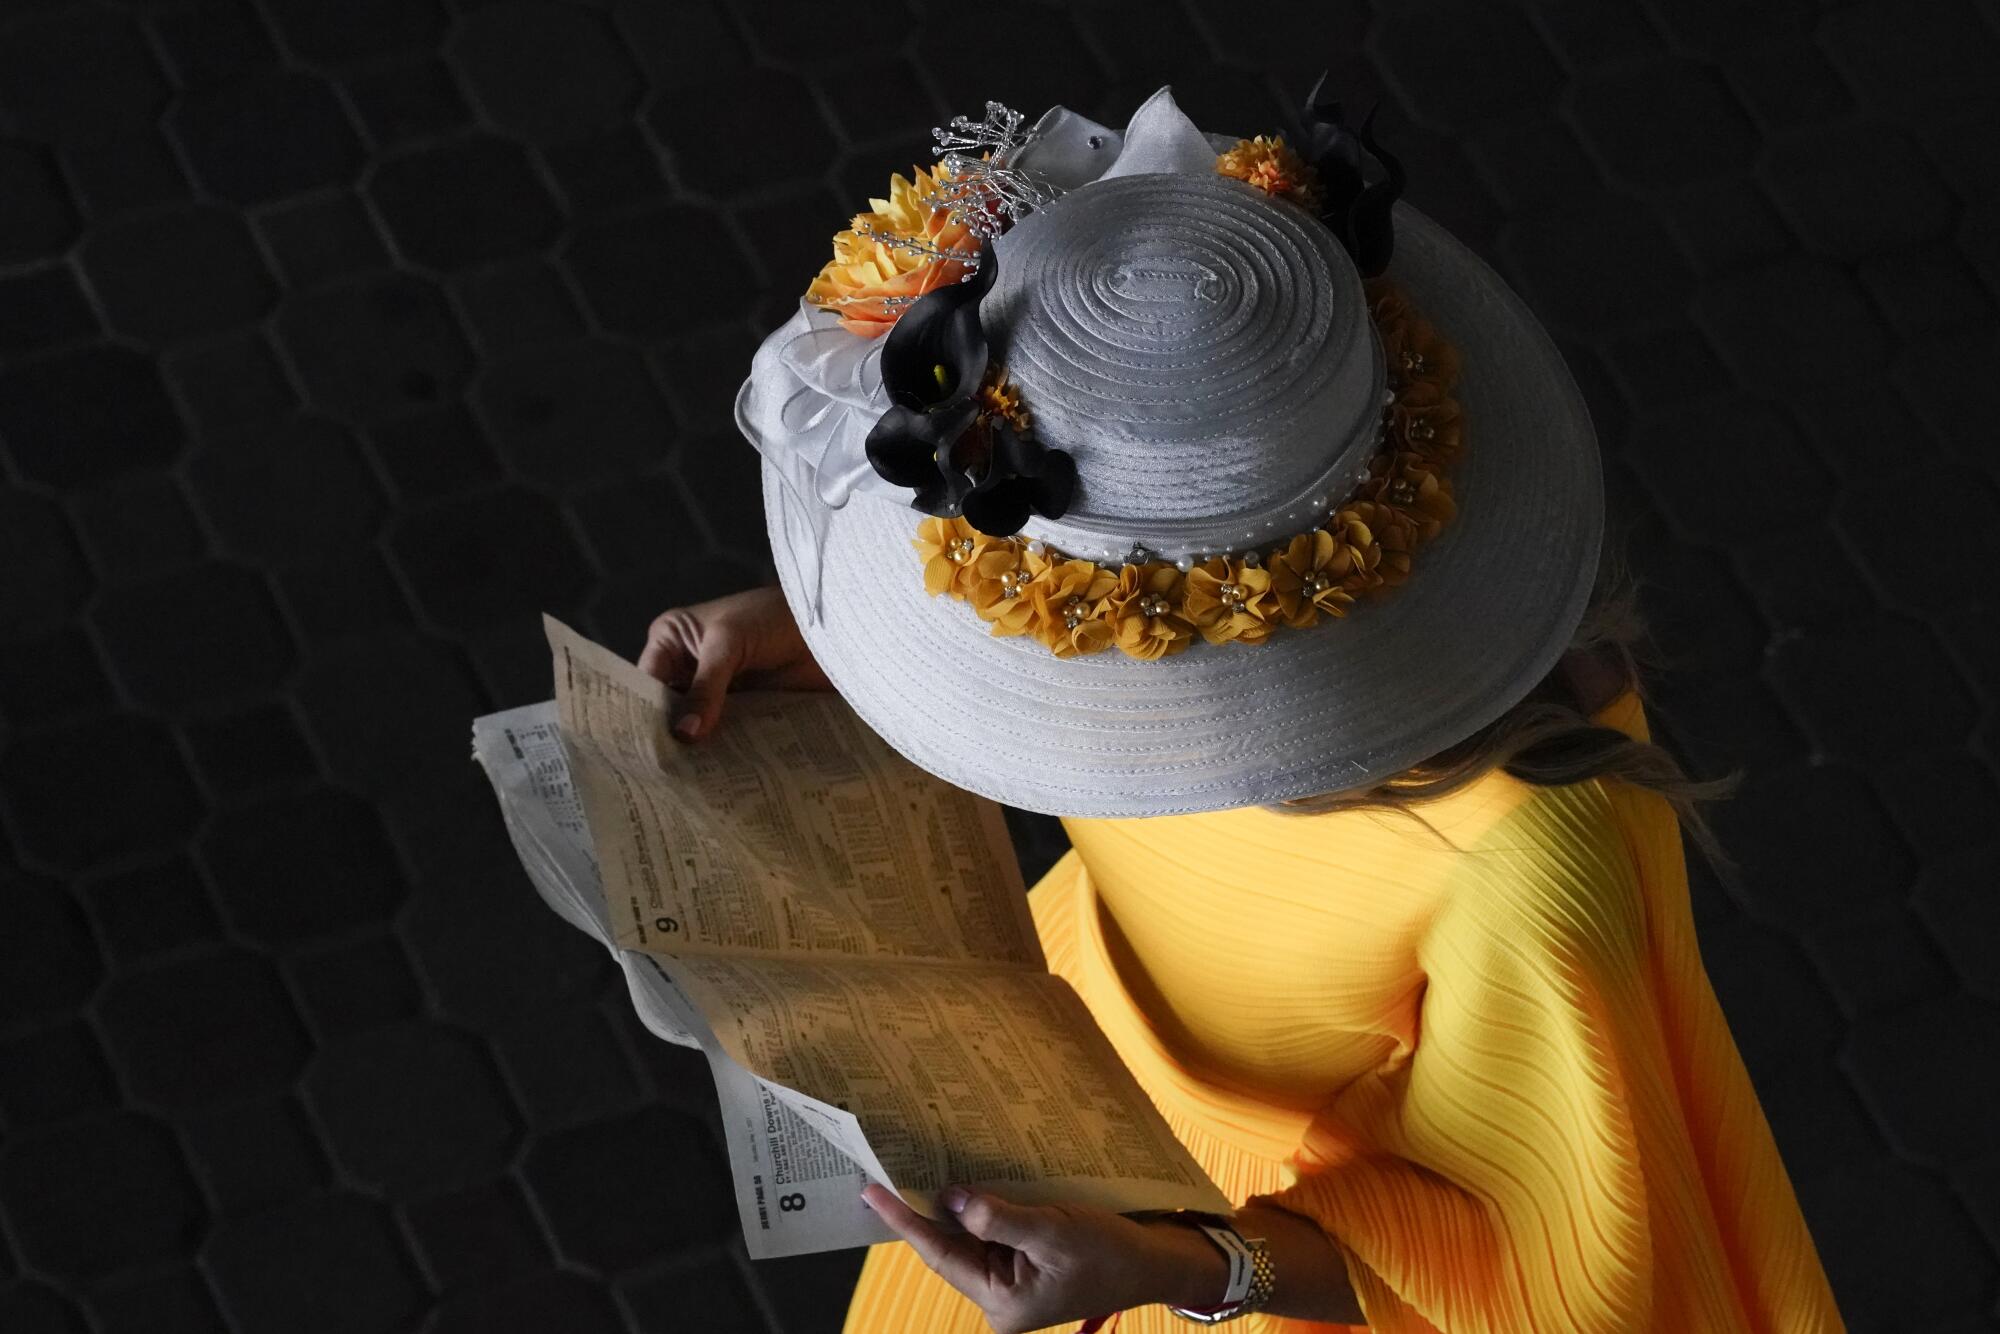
1184, 564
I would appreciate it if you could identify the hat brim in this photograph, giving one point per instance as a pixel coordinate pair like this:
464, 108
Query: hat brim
1487, 610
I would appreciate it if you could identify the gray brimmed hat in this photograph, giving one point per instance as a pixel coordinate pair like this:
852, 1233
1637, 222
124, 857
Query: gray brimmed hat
1203, 353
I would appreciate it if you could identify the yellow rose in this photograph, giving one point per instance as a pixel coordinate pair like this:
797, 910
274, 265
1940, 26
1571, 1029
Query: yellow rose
870, 281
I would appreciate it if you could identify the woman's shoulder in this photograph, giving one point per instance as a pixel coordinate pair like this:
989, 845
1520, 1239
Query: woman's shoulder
1627, 713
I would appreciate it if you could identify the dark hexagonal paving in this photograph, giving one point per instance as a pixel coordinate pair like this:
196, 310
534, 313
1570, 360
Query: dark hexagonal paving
337, 342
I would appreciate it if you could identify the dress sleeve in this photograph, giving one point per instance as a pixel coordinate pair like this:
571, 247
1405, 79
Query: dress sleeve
1572, 1145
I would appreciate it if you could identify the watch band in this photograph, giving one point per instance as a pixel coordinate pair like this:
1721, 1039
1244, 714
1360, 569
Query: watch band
1251, 1273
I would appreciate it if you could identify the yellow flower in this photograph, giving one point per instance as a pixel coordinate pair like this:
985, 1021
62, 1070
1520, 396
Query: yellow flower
1423, 496
1272, 166
1068, 607
1144, 612
1229, 600
1417, 355
1394, 534
951, 549
868, 278
1426, 419
1308, 577
1000, 579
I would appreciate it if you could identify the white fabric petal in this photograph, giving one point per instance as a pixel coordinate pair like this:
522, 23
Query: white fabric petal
1160, 138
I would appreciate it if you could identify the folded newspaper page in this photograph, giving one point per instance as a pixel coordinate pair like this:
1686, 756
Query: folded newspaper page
845, 938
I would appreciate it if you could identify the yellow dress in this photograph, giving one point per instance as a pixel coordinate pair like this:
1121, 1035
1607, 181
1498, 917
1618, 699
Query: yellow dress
1495, 1074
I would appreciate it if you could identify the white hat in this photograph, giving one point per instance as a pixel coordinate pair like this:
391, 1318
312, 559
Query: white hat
1204, 354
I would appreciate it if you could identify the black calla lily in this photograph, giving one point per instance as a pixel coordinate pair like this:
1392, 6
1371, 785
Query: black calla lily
932, 363
934, 439
1356, 209
1021, 474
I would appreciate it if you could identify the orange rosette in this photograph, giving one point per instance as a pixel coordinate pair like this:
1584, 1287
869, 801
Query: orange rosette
870, 280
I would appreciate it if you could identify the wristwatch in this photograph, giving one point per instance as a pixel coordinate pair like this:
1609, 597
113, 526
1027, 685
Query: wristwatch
1251, 1276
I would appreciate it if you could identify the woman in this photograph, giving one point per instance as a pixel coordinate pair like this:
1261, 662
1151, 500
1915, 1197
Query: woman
1376, 880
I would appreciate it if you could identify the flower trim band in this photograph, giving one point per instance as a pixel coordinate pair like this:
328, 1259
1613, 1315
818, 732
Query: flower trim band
1154, 609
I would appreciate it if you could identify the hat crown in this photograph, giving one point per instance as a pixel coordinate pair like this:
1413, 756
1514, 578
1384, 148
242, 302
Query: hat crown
1202, 350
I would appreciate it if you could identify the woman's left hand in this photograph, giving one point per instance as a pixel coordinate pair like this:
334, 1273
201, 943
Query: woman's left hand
1030, 1266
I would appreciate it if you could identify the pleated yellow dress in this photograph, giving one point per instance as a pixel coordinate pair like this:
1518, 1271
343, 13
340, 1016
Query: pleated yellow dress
1495, 1073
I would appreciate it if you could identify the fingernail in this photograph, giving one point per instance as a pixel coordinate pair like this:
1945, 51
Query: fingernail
688, 727
865, 1200
954, 1198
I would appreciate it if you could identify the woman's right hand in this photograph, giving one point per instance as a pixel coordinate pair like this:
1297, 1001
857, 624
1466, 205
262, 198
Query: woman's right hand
747, 640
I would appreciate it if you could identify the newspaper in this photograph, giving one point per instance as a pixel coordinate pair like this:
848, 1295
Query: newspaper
843, 936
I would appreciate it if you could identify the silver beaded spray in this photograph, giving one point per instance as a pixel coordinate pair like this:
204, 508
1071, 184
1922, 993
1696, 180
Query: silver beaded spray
984, 191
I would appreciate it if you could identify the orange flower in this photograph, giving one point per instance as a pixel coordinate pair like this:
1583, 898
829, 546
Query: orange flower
1144, 612
1000, 581
1230, 600
1426, 419
1394, 534
1418, 355
870, 280
951, 549
1308, 577
997, 398
1423, 496
1272, 166
1068, 607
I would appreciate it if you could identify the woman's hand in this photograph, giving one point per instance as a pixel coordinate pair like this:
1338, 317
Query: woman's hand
747, 640
1030, 1266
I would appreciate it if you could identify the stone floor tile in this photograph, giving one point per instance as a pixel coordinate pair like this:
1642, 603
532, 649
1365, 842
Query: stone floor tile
328, 1263
1464, 63
358, 31
708, 1295
253, 1155
324, 846
477, 1238
463, 202
1662, 123
401, 101
87, 415
151, 910
410, 1108
549, 408
175, 1302
92, 1196
42, 309
40, 221
376, 347
544, 71
204, 635
266, 136
202, 1030
164, 276
68, 809
618, 1192
1934, 1110
561, 1300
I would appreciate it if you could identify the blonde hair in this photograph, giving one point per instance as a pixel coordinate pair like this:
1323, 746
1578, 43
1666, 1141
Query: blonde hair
1549, 739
